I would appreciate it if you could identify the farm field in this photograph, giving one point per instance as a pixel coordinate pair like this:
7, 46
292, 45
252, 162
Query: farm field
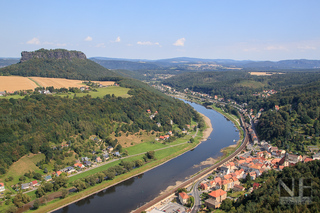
117, 91
14, 83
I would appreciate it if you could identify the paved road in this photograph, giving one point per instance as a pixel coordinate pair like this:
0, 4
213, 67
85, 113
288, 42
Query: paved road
196, 195
198, 176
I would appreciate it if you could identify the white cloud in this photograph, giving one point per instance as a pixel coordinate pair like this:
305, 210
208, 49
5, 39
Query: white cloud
101, 45
118, 39
148, 43
34, 41
307, 48
180, 42
272, 47
88, 38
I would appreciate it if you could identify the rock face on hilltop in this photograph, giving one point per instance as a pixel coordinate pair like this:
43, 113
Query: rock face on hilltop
52, 54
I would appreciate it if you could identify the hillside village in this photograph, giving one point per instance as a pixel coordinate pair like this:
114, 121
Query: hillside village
236, 177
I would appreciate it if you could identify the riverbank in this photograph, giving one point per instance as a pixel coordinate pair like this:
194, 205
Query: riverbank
176, 151
227, 151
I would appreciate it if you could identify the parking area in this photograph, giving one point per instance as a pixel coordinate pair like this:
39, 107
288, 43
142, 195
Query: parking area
173, 208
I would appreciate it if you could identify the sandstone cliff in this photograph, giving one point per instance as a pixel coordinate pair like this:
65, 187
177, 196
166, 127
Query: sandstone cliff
52, 54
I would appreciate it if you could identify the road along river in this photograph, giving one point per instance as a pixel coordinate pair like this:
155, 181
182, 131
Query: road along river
136, 191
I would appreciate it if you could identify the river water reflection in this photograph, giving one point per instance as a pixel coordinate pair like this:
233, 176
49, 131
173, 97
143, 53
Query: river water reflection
128, 195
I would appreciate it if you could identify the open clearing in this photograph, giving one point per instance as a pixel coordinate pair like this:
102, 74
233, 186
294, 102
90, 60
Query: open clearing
23, 165
260, 73
16, 83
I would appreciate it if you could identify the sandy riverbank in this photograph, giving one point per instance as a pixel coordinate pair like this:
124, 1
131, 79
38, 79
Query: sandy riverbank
206, 133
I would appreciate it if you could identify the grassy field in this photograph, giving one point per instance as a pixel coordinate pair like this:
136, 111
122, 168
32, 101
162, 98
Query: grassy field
162, 156
252, 84
117, 91
22, 166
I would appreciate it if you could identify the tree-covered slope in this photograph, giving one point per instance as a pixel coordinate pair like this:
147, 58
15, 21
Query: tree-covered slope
32, 123
296, 124
58, 63
239, 85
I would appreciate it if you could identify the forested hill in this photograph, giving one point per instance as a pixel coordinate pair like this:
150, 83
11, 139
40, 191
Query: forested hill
296, 124
37, 122
239, 85
58, 64
267, 198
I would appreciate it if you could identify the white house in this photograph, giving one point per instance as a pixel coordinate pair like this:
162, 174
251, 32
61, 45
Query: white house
2, 187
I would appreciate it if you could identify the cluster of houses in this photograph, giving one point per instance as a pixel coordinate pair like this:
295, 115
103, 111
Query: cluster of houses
152, 115
265, 93
270, 157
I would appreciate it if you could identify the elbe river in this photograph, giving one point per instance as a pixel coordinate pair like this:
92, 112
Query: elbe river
136, 191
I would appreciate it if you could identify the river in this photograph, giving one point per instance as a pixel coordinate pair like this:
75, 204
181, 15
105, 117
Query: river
128, 195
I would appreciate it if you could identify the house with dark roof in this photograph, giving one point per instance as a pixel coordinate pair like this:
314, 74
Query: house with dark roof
25, 186
48, 178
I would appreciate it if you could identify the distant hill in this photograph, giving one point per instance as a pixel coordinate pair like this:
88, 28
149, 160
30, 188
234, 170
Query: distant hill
8, 61
58, 63
199, 64
124, 64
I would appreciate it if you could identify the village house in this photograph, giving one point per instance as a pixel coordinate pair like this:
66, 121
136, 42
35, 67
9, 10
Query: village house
58, 173
218, 195
87, 163
34, 183
316, 156
253, 175
2, 188
110, 149
238, 188
98, 160
255, 186
117, 154
224, 170
79, 165
183, 197
25, 186
294, 158
48, 178
106, 156
84, 159
204, 186
307, 160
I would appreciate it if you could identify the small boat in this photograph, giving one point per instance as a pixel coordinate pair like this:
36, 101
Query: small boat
234, 140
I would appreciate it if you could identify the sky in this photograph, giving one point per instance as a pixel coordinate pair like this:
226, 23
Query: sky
212, 29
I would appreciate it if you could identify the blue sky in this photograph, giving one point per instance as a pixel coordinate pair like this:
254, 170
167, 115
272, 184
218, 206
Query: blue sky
224, 29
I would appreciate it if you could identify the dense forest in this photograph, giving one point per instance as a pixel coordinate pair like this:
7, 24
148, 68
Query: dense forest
239, 85
36, 122
74, 68
296, 124
266, 198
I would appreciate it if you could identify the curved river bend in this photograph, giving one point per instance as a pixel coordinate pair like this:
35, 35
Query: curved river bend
128, 195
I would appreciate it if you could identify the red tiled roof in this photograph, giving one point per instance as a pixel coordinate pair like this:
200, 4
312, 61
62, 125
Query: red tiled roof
34, 182
308, 159
217, 193
183, 195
